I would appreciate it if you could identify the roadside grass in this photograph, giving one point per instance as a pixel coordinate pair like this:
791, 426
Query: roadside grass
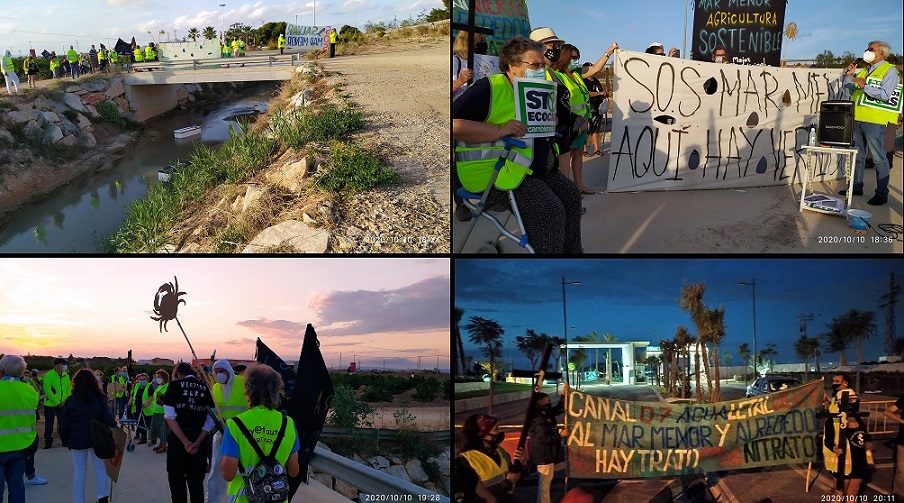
323, 128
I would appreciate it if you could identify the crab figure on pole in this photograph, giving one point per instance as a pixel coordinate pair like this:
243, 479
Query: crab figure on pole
166, 303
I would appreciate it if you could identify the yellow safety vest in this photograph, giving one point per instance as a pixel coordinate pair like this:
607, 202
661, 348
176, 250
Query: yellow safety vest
144, 395
53, 64
237, 403
333, 37
57, 388
580, 96
475, 161
139, 56
71, 55
101, 56
489, 472
263, 423
830, 459
114, 57
17, 415
8, 66
870, 110
148, 53
281, 42
122, 381
157, 404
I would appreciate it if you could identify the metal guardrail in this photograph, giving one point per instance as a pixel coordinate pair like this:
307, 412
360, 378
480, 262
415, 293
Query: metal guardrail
197, 63
366, 479
379, 434
877, 423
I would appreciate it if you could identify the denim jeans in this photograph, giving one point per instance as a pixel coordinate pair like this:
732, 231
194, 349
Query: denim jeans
12, 474
544, 483
80, 459
872, 136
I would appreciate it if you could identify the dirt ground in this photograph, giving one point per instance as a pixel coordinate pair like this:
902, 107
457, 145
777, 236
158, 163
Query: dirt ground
749, 220
405, 96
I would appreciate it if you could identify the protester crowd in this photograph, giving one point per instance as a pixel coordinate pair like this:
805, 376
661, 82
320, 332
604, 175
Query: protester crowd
201, 421
545, 177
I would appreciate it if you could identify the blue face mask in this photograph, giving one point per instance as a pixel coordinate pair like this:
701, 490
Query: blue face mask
142, 382
575, 65
123, 374
530, 73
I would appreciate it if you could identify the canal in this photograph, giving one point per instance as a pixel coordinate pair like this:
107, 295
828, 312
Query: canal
79, 216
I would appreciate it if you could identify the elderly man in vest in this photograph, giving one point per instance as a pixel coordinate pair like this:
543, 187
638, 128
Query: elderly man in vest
56, 390
17, 427
871, 91
229, 396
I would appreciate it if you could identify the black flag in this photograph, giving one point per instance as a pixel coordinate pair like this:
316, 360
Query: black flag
310, 401
266, 356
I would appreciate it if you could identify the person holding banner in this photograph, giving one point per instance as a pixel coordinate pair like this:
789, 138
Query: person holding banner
872, 91
857, 454
492, 463
545, 441
550, 204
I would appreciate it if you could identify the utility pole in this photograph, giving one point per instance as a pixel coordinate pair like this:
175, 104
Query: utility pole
888, 301
804, 318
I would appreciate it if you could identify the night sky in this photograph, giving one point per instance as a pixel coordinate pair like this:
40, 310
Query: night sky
636, 299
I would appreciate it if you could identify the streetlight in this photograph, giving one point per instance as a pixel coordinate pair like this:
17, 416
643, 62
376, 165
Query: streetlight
753, 284
222, 22
565, 325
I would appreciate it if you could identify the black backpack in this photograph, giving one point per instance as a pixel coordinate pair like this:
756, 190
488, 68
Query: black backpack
268, 480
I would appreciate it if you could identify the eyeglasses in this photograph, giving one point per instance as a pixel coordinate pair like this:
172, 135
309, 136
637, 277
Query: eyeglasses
535, 66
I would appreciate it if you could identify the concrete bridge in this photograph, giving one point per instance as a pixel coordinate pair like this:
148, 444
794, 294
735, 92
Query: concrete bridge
151, 90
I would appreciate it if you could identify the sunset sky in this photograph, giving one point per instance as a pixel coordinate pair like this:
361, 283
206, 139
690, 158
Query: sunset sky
392, 309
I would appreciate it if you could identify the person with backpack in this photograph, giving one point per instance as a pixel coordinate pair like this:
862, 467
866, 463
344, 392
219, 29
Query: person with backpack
185, 408
87, 402
258, 466
229, 395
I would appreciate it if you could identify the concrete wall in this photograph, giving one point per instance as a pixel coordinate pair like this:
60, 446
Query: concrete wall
149, 101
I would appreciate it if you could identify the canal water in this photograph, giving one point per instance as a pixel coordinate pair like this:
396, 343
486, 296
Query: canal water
78, 217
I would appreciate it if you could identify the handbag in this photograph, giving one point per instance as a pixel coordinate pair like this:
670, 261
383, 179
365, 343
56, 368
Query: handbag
102, 439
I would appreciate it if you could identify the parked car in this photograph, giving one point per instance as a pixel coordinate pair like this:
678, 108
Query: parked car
770, 384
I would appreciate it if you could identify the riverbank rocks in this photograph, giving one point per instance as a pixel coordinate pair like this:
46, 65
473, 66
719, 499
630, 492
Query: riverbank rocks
93, 98
116, 88
293, 234
74, 102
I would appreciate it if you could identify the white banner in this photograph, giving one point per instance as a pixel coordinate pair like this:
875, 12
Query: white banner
308, 38
681, 125
535, 105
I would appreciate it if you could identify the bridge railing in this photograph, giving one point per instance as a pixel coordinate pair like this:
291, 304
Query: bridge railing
198, 63
368, 480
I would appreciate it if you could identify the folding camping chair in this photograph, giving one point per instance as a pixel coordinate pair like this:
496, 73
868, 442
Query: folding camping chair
476, 203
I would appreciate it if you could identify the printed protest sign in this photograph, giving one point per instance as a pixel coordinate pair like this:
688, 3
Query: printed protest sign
507, 19
308, 38
617, 439
892, 105
485, 65
680, 125
749, 30
535, 105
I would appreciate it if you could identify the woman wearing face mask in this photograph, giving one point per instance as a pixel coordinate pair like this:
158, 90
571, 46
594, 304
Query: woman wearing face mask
87, 402
549, 203
493, 465
545, 440
154, 407
136, 410
569, 68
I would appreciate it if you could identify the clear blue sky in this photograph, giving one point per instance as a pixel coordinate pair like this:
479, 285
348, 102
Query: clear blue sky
53, 24
636, 299
823, 24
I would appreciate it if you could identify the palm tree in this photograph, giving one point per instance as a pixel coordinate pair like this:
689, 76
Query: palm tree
715, 330
487, 333
815, 351
209, 33
710, 324
578, 357
193, 34
767, 355
457, 314
682, 344
653, 363
836, 340
857, 325
529, 344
